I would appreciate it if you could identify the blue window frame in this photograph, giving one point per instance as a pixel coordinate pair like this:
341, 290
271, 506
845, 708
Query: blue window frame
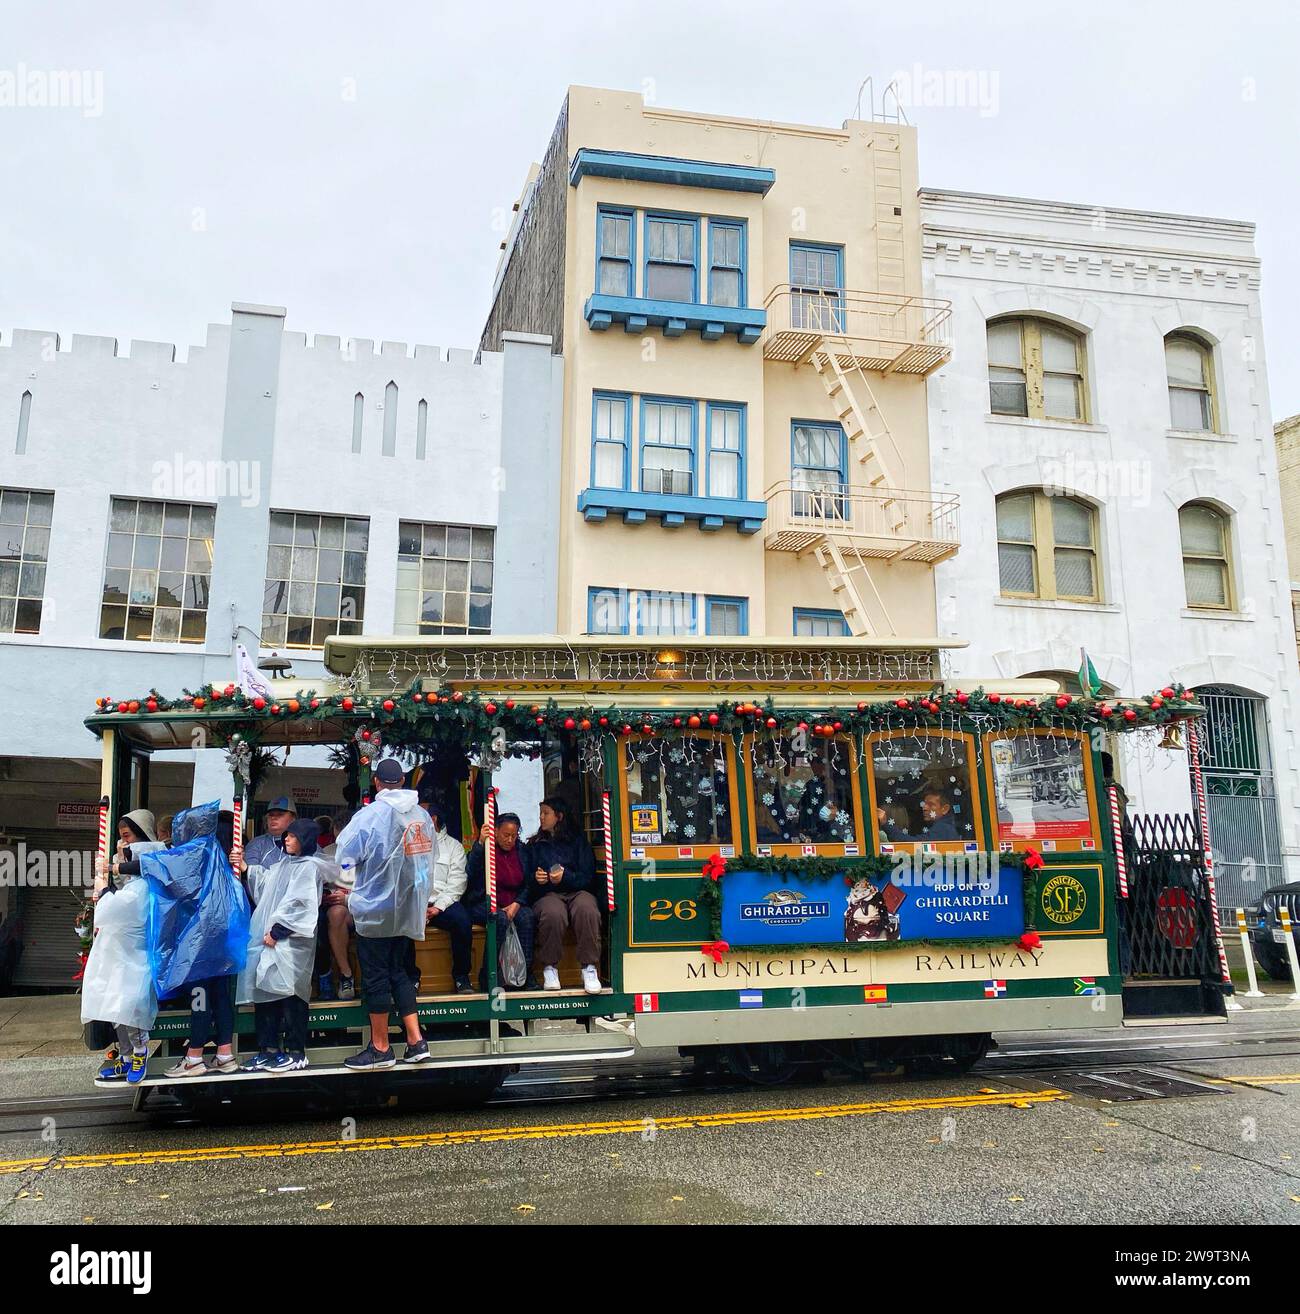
606, 611
726, 262
611, 439
724, 424
615, 251
814, 623
819, 467
671, 258
657, 612
726, 616
817, 287
668, 445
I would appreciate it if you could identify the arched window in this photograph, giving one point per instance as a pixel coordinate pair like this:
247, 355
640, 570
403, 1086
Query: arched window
1047, 547
1036, 370
1189, 368
1207, 571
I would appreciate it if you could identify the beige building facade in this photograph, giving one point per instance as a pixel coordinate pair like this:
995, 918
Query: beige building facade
738, 304
1286, 434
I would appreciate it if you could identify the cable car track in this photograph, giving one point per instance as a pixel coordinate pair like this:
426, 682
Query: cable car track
565, 1083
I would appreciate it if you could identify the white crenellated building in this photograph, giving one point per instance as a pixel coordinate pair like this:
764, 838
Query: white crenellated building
1105, 420
265, 490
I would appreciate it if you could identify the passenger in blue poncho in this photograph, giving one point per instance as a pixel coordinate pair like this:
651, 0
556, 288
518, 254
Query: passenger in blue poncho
198, 932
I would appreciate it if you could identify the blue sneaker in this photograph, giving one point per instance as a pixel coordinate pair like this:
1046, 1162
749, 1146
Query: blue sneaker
371, 1060
416, 1053
347, 988
137, 1071
258, 1063
280, 1063
113, 1070
325, 986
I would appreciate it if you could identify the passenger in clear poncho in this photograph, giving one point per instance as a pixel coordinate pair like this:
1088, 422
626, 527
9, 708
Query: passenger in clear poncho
276, 979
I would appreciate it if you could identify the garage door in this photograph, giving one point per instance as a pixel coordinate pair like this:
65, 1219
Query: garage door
49, 955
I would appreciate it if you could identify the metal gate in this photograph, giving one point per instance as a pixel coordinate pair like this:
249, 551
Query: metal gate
1240, 796
1172, 959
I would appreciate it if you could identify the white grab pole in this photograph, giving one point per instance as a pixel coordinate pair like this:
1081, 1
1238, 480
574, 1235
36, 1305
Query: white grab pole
1254, 992
1285, 916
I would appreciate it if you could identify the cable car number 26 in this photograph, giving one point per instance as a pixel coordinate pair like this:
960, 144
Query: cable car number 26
665, 910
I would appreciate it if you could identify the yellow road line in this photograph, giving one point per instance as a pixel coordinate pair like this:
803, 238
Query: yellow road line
488, 1135
1287, 1079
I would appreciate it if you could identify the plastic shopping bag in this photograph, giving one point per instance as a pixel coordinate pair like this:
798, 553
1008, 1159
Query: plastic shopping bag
512, 966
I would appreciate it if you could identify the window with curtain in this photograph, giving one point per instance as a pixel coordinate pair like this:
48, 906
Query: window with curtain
668, 447
614, 253
670, 259
817, 464
1036, 369
726, 616
1047, 547
810, 623
1190, 374
726, 451
1206, 570
610, 424
726, 280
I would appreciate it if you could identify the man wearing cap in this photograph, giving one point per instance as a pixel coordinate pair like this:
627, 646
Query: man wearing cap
388, 848
265, 849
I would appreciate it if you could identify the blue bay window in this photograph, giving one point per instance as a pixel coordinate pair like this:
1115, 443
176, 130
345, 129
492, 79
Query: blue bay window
667, 446
814, 623
670, 270
663, 613
726, 263
726, 450
615, 252
611, 439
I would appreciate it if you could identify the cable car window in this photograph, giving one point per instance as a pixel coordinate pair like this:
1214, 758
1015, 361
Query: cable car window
678, 792
803, 795
1039, 787
922, 789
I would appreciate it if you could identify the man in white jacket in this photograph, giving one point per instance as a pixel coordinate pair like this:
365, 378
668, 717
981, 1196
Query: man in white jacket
389, 847
446, 885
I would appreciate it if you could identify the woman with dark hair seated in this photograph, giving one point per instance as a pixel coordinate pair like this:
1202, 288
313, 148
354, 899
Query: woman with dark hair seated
512, 872
560, 892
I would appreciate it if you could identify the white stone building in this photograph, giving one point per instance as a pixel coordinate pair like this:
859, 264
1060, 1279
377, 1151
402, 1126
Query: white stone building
1105, 420
265, 490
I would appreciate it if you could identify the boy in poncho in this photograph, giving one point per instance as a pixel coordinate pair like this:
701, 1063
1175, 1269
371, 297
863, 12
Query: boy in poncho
276, 979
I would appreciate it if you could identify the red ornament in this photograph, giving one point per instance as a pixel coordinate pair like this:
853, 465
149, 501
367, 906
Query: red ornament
862, 707
647, 729
315, 703
604, 720
259, 703
995, 698
417, 698
627, 730
570, 723
387, 704
151, 705
1157, 701
347, 704
275, 709
713, 718
490, 708
584, 724
510, 702
541, 720
1105, 710
216, 695
293, 705
962, 697
771, 723
133, 706
677, 720
839, 725
902, 703
1062, 701
693, 722
1166, 692
198, 704
365, 734
457, 696
1130, 714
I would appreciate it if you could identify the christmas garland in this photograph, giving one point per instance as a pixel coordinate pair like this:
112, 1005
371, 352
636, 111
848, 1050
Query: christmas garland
416, 716
709, 896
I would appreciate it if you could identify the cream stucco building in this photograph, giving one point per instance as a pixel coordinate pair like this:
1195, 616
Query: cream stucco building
738, 304
1287, 435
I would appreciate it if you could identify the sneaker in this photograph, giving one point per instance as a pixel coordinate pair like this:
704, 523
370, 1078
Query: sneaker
347, 988
416, 1053
325, 986
280, 1063
226, 1065
298, 1061
187, 1068
258, 1063
462, 986
371, 1060
550, 979
591, 980
113, 1070
138, 1065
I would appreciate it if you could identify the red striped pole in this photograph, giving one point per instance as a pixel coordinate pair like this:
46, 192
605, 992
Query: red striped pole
237, 844
103, 830
1117, 830
609, 850
1203, 814
490, 847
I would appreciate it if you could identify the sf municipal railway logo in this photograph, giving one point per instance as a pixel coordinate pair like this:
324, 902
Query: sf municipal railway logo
783, 908
1064, 899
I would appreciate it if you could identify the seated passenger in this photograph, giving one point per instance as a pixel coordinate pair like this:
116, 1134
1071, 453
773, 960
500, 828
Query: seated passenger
561, 894
276, 979
262, 850
938, 820
446, 885
512, 867
335, 927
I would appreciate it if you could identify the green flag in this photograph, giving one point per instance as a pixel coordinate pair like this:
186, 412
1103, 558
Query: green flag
1089, 680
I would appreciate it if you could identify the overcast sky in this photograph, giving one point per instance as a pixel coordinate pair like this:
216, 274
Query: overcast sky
347, 161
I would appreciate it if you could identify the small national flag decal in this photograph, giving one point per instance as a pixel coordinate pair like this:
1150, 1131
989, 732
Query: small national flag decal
994, 989
1085, 985
751, 999
875, 994
647, 1003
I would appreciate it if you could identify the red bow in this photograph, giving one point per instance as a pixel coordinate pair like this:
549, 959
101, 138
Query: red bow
715, 867
715, 950
1030, 940
1033, 859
